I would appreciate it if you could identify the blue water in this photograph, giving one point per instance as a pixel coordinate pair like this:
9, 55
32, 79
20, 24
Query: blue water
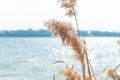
31, 58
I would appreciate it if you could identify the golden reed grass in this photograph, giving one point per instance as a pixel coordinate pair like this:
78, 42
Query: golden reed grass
68, 34
69, 37
69, 5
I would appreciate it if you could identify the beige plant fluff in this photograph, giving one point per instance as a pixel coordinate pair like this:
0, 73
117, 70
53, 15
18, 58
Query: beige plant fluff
70, 74
69, 6
68, 36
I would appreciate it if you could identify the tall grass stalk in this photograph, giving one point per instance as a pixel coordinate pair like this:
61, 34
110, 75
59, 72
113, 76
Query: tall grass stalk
73, 2
69, 37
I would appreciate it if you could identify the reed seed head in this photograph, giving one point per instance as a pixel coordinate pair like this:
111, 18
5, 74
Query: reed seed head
70, 74
68, 36
70, 6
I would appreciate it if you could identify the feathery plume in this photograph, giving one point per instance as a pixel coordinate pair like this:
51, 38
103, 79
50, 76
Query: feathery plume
71, 12
69, 5
70, 74
68, 36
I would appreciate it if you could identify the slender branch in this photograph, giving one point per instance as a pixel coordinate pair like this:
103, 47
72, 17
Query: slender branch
83, 70
88, 62
92, 70
117, 67
78, 32
88, 65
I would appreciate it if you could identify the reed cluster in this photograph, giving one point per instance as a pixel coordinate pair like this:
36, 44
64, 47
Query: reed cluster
71, 38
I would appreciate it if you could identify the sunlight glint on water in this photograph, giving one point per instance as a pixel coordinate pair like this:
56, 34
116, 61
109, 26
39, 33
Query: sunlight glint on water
30, 58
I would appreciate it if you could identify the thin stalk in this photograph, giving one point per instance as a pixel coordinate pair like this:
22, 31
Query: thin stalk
88, 65
78, 32
92, 70
117, 67
83, 66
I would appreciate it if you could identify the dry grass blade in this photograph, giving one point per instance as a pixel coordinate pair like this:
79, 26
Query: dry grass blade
88, 65
92, 70
101, 72
58, 62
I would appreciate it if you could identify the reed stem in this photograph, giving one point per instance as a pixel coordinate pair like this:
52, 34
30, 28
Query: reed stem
83, 70
92, 70
78, 32
88, 65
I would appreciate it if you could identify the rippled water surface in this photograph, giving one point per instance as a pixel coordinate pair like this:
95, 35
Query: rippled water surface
31, 58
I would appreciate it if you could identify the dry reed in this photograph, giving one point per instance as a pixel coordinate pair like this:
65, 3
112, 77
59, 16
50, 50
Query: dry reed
70, 74
69, 5
69, 37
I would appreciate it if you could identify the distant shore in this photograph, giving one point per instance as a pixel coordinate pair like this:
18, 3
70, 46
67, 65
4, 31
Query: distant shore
45, 33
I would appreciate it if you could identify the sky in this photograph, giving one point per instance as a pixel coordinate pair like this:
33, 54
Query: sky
103, 15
